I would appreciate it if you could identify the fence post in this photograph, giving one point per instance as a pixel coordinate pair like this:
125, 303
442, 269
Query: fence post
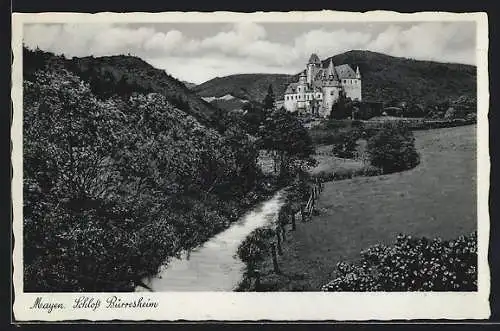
257, 279
302, 214
275, 258
313, 202
278, 239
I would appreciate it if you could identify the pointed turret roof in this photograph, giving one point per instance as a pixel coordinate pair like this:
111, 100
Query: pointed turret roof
314, 59
331, 72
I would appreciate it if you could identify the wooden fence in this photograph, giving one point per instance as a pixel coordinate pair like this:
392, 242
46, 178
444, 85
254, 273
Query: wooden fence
316, 190
276, 245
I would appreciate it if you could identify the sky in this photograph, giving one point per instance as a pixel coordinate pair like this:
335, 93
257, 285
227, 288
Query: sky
197, 52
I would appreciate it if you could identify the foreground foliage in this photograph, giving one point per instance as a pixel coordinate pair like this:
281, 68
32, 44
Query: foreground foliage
114, 187
412, 265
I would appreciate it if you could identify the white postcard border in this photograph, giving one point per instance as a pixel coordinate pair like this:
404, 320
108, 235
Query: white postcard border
311, 306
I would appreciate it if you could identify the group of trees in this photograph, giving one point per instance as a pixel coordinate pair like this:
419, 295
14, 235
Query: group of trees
114, 187
280, 133
392, 149
283, 134
463, 107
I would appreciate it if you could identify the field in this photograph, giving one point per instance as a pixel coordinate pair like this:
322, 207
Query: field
437, 198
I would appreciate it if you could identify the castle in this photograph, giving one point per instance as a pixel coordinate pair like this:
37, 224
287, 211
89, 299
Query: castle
318, 88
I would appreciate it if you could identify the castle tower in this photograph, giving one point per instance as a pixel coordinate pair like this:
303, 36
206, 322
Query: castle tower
302, 78
331, 74
301, 91
313, 66
331, 89
357, 86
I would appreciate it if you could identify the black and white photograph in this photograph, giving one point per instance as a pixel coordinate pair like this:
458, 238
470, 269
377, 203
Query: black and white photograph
244, 155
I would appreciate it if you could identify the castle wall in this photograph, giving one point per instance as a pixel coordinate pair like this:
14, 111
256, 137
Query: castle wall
330, 96
290, 103
352, 88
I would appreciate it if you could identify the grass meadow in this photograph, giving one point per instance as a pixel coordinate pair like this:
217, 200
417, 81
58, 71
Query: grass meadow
437, 198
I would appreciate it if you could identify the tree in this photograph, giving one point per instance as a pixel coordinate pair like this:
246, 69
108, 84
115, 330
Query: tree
269, 99
342, 108
346, 145
245, 155
284, 134
393, 149
254, 116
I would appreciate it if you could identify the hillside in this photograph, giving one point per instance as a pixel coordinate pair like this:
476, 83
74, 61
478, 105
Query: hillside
251, 87
385, 78
189, 85
123, 75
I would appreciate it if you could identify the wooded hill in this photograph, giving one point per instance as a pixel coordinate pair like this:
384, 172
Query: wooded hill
385, 79
122, 75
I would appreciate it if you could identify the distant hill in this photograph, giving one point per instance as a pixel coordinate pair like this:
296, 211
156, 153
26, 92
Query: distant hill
122, 75
189, 85
385, 78
252, 87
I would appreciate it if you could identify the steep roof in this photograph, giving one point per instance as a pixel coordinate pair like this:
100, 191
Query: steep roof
314, 59
345, 71
331, 71
291, 88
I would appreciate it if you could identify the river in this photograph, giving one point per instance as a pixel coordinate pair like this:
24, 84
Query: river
214, 266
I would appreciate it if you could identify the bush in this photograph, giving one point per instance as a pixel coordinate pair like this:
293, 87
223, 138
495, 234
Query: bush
256, 246
346, 147
393, 149
412, 265
366, 171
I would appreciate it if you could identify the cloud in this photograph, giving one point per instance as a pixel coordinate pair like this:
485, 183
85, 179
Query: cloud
247, 46
214, 65
436, 41
247, 40
327, 43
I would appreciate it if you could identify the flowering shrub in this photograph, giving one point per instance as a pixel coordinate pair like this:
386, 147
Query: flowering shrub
412, 265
